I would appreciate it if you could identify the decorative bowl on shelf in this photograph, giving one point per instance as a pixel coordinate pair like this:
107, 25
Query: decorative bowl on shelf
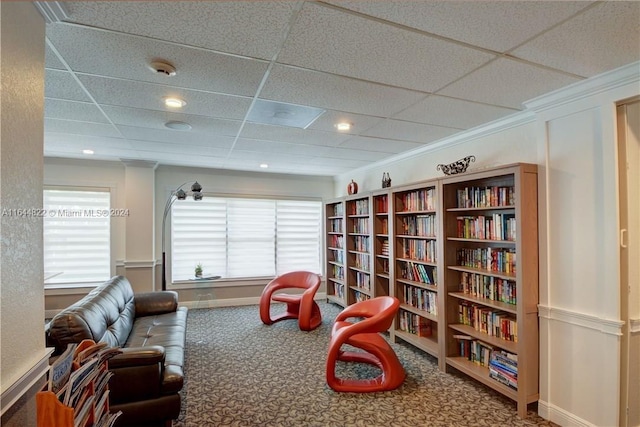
459, 166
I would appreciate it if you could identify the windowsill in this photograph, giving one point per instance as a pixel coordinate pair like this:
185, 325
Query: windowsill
69, 288
220, 283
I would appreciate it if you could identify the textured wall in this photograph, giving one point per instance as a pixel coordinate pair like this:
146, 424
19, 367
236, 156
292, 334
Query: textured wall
21, 166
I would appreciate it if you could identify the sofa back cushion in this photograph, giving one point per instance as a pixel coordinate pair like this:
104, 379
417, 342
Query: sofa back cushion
106, 314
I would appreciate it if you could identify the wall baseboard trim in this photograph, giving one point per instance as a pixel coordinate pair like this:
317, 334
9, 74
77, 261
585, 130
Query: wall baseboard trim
233, 302
16, 390
607, 326
560, 416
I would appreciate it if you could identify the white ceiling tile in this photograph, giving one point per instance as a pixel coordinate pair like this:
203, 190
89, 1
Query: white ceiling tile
399, 130
150, 96
456, 113
507, 83
253, 29
138, 117
294, 135
495, 25
304, 87
327, 122
329, 40
186, 138
51, 60
80, 128
179, 148
362, 153
73, 110
602, 38
341, 163
379, 145
61, 85
195, 68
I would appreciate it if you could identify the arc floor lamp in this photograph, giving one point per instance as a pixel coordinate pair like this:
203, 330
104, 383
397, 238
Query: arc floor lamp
177, 194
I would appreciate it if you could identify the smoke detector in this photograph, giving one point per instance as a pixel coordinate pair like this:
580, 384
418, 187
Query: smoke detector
163, 68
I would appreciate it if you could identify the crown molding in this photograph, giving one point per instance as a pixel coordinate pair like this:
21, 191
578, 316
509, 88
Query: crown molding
604, 82
135, 163
52, 11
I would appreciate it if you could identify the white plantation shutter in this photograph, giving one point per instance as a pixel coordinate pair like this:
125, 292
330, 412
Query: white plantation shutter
76, 235
298, 244
242, 238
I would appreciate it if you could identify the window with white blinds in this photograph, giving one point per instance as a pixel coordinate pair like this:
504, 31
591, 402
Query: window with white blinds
76, 236
242, 238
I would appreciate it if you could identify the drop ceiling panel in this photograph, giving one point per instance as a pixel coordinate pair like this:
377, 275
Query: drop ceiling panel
179, 149
450, 112
495, 25
283, 147
149, 96
195, 68
379, 145
61, 85
347, 164
72, 110
409, 131
363, 153
253, 29
604, 37
294, 135
51, 59
189, 140
328, 40
327, 122
287, 84
153, 119
80, 128
518, 82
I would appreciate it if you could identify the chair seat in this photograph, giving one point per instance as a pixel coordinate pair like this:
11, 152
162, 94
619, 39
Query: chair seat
289, 298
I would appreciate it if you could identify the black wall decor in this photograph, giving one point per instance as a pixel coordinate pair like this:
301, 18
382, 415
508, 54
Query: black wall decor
456, 167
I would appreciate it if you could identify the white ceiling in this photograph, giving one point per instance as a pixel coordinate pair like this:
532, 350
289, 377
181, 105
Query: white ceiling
405, 73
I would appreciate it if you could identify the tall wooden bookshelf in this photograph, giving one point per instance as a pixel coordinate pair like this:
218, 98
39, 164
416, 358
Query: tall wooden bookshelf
359, 246
491, 279
381, 243
335, 244
416, 241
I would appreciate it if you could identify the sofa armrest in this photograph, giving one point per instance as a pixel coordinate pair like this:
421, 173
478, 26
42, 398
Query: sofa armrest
137, 374
153, 303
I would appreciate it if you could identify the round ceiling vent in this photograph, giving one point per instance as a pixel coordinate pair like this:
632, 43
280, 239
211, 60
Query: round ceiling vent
164, 68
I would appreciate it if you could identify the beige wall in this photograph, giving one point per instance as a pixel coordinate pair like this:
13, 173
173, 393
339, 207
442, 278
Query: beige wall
21, 139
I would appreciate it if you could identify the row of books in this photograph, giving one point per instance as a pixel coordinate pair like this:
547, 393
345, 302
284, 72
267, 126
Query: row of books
414, 324
419, 200
490, 321
360, 296
336, 241
493, 227
485, 197
363, 281
359, 207
384, 226
381, 204
361, 243
338, 290
360, 225
419, 225
338, 272
334, 226
490, 259
489, 287
503, 366
336, 256
419, 250
336, 210
361, 261
417, 272
421, 299
384, 248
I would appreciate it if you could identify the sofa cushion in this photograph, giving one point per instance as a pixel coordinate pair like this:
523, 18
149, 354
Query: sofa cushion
106, 314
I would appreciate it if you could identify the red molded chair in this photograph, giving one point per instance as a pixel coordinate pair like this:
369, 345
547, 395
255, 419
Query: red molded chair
299, 306
378, 314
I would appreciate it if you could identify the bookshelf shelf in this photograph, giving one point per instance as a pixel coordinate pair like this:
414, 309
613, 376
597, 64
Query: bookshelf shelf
490, 229
425, 344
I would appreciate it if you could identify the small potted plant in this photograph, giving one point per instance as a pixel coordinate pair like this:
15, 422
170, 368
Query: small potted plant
198, 270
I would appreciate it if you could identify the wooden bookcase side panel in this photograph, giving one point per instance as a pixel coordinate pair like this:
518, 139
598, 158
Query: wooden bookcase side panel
359, 247
381, 243
335, 257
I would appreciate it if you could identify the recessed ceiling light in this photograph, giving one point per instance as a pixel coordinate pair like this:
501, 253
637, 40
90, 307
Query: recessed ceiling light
264, 165
344, 126
87, 151
174, 102
177, 125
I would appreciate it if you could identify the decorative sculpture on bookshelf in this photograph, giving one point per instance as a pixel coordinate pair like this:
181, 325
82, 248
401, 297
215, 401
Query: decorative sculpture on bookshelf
456, 167
386, 180
352, 188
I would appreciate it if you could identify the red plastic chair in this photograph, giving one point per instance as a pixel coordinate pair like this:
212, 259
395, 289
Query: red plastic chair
299, 306
378, 314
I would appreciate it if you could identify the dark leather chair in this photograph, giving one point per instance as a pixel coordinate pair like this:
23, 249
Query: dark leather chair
299, 306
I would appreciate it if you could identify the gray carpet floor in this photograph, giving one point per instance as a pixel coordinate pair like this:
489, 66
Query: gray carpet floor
242, 373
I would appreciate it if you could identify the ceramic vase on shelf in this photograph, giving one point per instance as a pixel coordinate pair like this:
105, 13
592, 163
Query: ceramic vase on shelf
352, 188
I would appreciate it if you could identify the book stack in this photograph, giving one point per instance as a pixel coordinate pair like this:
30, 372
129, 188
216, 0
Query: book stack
503, 367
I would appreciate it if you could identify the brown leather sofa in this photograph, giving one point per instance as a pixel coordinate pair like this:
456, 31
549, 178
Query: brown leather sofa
151, 330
